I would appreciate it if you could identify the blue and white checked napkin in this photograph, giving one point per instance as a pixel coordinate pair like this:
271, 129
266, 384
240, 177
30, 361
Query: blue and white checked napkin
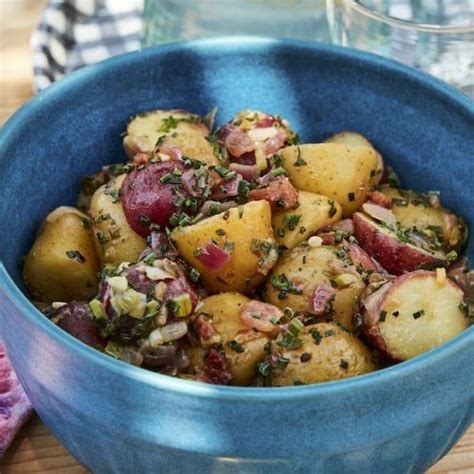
74, 33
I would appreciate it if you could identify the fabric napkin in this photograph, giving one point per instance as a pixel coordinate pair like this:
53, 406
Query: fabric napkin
15, 408
74, 33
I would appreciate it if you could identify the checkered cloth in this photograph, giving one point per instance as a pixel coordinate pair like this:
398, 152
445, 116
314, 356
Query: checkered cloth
75, 33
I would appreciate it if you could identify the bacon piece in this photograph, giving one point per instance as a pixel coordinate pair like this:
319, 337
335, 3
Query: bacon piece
380, 199
280, 193
215, 369
260, 316
320, 298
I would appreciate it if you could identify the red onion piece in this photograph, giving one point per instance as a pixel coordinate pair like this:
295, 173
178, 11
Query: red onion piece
227, 188
248, 172
320, 298
213, 257
15, 408
380, 199
346, 225
238, 142
188, 179
275, 143
380, 213
259, 316
172, 151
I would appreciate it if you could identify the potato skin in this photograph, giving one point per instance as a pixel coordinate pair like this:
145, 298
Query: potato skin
144, 130
242, 226
224, 310
49, 273
315, 210
114, 239
415, 212
308, 267
342, 172
393, 254
338, 355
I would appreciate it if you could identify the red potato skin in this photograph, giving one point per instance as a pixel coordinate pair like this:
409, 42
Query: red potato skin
395, 256
144, 195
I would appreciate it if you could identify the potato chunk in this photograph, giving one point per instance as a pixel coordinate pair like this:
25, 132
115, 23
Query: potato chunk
145, 129
243, 347
314, 212
327, 353
115, 240
62, 264
425, 213
342, 172
414, 314
194, 146
300, 274
244, 233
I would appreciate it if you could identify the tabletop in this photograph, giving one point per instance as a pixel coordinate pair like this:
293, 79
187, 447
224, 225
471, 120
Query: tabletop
35, 449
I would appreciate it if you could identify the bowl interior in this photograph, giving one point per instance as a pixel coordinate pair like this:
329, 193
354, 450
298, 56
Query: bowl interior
422, 127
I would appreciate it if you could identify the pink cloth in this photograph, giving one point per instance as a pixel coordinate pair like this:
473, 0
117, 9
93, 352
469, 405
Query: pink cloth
15, 408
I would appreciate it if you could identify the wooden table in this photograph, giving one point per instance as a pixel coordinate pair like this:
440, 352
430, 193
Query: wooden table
36, 449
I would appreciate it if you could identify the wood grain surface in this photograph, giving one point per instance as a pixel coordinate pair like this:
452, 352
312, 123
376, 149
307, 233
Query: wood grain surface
36, 450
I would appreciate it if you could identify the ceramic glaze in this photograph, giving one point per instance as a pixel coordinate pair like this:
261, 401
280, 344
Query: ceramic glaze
117, 418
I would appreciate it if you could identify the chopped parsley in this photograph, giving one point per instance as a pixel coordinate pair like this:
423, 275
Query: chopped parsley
236, 346
351, 196
281, 283
344, 364
299, 160
418, 314
76, 255
290, 221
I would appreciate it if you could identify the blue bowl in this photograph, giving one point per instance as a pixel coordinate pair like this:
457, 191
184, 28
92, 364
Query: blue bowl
116, 418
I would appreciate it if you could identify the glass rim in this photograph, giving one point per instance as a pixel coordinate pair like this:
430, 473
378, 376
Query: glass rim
407, 24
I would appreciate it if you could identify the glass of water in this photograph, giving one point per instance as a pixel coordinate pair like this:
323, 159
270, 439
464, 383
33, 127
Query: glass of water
171, 20
436, 36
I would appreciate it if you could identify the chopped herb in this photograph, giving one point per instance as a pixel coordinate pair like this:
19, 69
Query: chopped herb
143, 220
241, 212
395, 314
267, 348
194, 274
418, 314
290, 221
383, 315
316, 335
278, 171
113, 193
86, 223
220, 231
302, 229
282, 362
329, 333
295, 327
281, 232
351, 196
305, 357
344, 364
236, 346
332, 210
299, 160
169, 124
264, 368
298, 382
289, 340
166, 178
281, 283
76, 255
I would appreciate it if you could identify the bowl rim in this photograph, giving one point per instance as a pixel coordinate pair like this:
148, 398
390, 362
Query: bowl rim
186, 387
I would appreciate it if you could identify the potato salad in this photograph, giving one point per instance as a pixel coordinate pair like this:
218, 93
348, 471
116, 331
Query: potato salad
239, 256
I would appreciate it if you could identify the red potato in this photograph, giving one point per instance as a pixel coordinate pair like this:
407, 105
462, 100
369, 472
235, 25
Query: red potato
76, 319
413, 314
146, 199
397, 256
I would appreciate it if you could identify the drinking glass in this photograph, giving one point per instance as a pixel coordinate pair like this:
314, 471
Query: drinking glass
171, 20
436, 36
